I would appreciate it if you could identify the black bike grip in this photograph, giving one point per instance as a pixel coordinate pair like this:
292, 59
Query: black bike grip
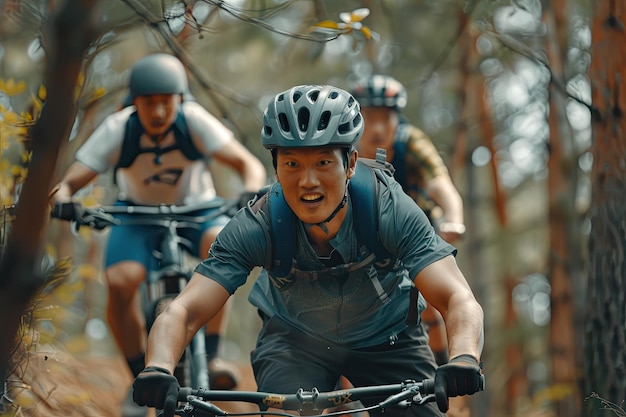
428, 386
171, 400
441, 395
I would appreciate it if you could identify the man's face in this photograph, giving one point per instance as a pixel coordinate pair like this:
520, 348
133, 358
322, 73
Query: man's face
379, 131
313, 180
157, 112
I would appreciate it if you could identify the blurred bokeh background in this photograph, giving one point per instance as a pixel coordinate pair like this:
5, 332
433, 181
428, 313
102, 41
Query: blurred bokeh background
503, 88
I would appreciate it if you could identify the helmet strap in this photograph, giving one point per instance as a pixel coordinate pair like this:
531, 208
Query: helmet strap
322, 224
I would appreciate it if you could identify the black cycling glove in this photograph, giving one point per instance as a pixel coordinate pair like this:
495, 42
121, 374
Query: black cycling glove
460, 376
156, 387
67, 211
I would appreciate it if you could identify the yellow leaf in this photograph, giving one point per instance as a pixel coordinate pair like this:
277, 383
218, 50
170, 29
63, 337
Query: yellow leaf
328, 24
10, 118
42, 94
98, 93
37, 104
88, 271
366, 31
12, 88
26, 399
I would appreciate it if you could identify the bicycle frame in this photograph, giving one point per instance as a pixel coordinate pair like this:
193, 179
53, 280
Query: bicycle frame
162, 285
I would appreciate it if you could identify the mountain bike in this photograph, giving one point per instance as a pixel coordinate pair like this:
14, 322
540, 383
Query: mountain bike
164, 283
199, 402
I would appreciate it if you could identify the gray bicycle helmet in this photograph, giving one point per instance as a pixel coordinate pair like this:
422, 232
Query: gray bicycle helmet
157, 74
380, 91
312, 115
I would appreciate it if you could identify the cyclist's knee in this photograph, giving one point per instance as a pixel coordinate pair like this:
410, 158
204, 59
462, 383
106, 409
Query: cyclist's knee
124, 278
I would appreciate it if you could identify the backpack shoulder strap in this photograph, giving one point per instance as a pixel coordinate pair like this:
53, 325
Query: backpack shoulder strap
363, 188
183, 138
400, 144
282, 232
134, 130
130, 145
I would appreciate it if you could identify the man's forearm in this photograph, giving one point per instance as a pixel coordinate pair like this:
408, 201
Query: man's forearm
168, 339
464, 323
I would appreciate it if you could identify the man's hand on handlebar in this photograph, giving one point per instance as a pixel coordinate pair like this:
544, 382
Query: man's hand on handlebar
156, 387
460, 376
67, 211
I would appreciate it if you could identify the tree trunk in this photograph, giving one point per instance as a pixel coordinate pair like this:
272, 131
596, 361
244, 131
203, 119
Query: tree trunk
70, 33
565, 237
605, 329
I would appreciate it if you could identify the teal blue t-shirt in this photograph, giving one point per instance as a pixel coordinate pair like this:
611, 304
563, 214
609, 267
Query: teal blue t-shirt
346, 309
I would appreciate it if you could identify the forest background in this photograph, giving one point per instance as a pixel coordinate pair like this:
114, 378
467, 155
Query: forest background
524, 100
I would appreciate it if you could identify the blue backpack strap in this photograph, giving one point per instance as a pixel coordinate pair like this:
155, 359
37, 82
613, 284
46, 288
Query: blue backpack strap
363, 189
134, 130
363, 193
130, 145
184, 139
400, 144
282, 232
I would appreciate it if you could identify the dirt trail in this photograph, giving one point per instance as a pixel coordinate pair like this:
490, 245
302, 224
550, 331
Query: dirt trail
58, 384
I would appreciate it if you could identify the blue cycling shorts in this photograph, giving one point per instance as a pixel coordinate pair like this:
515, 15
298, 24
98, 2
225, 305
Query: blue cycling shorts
137, 243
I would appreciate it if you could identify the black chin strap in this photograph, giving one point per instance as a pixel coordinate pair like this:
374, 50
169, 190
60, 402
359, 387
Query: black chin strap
322, 224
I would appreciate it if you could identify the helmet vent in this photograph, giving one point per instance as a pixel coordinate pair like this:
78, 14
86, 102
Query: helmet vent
284, 124
281, 97
314, 95
296, 96
324, 119
303, 119
268, 130
344, 128
350, 101
333, 95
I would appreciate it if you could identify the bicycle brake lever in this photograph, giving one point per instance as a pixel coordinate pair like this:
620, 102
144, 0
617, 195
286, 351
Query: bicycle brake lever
206, 406
397, 398
425, 399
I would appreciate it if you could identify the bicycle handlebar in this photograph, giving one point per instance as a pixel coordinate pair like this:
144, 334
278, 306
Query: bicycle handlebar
104, 216
197, 402
405, 393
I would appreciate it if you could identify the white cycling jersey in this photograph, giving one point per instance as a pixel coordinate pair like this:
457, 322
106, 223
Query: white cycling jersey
168, 179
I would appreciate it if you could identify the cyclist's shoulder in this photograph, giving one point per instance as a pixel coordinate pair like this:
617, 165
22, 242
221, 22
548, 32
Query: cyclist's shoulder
414, 134
192, 110
203, 123
119, 117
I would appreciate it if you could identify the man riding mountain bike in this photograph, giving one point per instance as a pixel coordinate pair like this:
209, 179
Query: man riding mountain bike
158, 148
422, 174
338, 303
